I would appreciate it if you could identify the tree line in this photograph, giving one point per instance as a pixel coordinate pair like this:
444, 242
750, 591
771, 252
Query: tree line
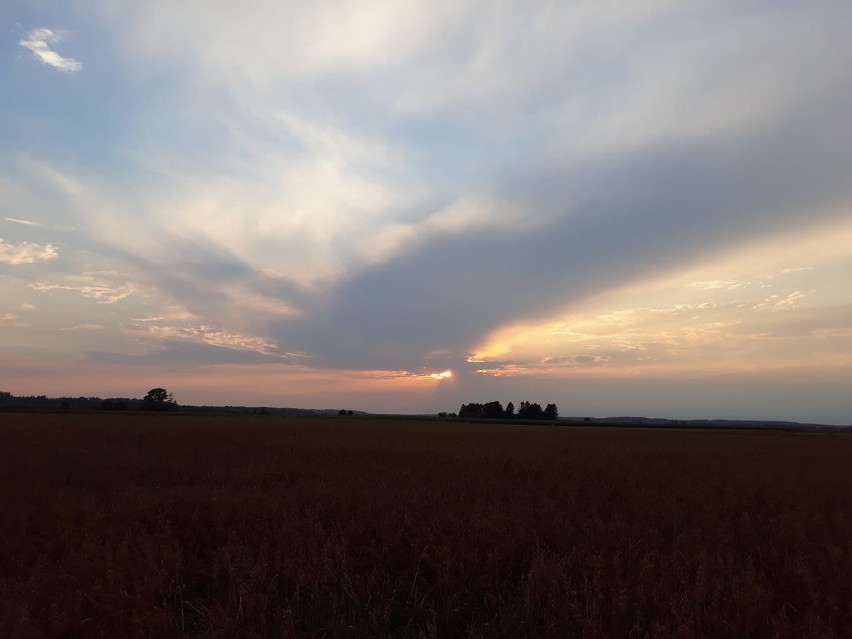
495, 410
157, 399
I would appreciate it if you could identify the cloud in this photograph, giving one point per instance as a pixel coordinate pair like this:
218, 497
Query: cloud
84, 327
104, 287
692, 339
17, 253
506, 370
382, 188
639, 215
181, 355
15, 220
781, 302
9, 321
576, 360
211, 336
38, 41
821, 329
728, 285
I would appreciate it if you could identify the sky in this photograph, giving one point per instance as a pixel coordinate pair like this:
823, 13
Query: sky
623, 208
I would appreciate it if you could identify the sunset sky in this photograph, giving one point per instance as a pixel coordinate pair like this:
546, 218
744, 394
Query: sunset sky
625, 208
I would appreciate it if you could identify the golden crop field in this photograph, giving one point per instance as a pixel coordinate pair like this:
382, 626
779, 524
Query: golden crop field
133, 525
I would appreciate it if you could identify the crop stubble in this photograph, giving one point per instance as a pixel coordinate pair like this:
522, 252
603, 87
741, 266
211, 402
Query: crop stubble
260, 526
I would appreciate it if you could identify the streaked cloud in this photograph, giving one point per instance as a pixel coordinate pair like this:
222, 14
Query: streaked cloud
84, 327
103, 287
213, 337
15, 220
39, 42
728, 285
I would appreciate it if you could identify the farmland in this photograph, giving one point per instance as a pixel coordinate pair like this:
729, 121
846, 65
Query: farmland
139, 525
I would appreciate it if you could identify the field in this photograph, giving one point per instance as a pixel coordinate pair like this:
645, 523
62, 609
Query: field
132, 525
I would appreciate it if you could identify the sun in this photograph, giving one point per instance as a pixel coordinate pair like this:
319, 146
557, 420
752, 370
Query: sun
444, 375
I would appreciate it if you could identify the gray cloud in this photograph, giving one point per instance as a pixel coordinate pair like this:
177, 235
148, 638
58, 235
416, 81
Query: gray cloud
638, 214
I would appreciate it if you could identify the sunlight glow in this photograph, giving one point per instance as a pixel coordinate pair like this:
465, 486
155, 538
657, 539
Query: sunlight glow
440, 376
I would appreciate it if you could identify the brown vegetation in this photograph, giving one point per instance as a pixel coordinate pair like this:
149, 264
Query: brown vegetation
171, 526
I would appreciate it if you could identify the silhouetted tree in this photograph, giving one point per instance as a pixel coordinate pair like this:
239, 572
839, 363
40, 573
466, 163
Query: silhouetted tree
493, 410
472, 410
158, 395
551, 412
159, 399
530, 411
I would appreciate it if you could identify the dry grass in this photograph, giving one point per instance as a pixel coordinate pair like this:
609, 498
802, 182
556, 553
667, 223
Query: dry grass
173, 526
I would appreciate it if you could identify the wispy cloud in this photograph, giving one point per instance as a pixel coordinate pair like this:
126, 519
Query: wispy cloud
84, 327
10, 320
214, 337
576, 360
712, 285
17, 253
39, 40
103, 287
780, 302
16, 220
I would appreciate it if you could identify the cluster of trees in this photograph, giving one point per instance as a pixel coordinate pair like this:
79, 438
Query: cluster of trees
495, 410
158, 399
